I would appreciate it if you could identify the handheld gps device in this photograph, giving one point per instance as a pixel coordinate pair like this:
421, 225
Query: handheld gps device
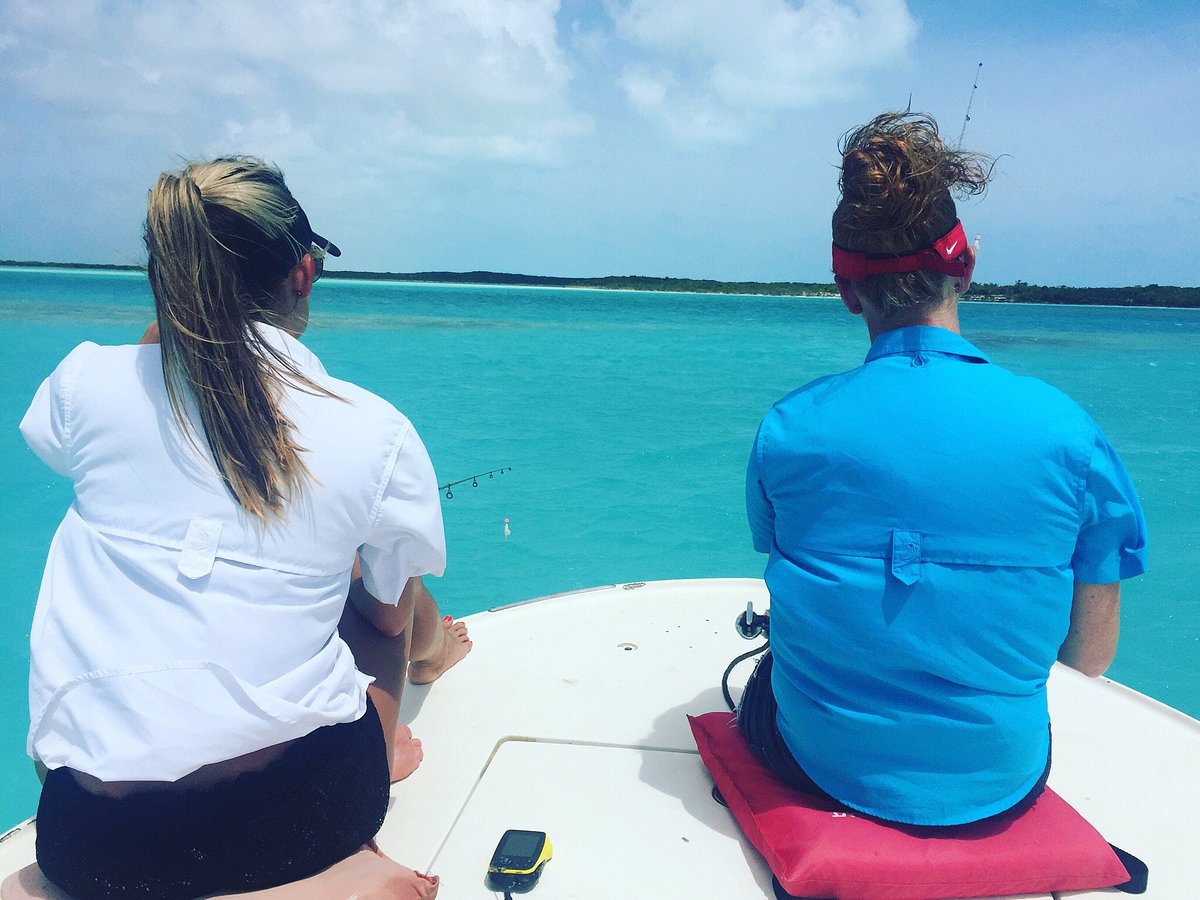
517, 863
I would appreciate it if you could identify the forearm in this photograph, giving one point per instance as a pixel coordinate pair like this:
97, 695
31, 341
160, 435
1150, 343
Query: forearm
1091, 641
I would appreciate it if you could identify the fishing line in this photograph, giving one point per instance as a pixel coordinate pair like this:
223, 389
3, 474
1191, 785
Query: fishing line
474, 479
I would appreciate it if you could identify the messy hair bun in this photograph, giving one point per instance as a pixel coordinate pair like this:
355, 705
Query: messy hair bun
898, 180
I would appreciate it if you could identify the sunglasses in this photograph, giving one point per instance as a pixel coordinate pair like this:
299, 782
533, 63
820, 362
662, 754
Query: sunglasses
318, 258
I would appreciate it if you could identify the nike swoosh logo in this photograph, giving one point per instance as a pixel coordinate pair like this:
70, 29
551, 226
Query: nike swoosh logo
950, 249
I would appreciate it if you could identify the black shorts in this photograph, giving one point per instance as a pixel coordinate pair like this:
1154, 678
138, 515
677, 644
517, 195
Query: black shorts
324, 798
757, 718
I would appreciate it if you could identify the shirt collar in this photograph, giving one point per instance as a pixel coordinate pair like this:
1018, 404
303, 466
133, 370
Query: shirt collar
924, 338
290, 347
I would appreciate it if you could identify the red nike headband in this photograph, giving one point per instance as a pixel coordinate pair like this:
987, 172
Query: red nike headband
945, 256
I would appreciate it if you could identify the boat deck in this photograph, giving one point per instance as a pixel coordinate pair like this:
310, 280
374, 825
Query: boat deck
569, 717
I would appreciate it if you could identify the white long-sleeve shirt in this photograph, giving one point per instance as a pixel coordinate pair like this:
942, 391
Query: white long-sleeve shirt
172, 630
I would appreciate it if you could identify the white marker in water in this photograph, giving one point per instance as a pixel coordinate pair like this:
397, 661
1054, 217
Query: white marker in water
976, 243
507, 530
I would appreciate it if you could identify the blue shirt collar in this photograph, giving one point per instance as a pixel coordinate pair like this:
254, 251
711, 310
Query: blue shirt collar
924, 338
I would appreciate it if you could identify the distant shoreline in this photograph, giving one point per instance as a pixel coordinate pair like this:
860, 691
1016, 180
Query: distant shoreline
1151, 295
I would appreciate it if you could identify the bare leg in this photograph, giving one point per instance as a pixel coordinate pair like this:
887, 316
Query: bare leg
30, 884
365, 875
386, 660
390, 641
438, 642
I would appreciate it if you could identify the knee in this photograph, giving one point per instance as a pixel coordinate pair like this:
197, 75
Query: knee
30, 884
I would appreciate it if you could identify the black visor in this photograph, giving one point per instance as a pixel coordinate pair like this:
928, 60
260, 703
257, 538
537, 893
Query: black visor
306, 237
269, 262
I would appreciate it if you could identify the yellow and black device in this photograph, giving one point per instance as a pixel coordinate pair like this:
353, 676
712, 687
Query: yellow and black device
517, 863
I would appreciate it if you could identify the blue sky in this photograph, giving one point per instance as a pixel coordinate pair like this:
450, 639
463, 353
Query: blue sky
691, 138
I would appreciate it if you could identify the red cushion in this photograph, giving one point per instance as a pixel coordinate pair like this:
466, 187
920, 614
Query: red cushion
817, 848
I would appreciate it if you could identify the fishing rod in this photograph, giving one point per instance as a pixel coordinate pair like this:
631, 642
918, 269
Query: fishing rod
970, 100
966, 119
449, 486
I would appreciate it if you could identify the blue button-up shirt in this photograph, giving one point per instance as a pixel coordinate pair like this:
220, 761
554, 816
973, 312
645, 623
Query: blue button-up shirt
926, 516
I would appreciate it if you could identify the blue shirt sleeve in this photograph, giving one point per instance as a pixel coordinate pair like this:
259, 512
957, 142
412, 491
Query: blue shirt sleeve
759, 510
1112, 533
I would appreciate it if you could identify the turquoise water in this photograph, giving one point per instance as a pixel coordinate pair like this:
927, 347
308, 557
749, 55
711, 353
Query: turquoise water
626, 419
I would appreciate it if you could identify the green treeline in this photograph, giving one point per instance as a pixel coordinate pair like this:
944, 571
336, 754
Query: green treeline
1139, 295
33, 264
1021, 292
609, 282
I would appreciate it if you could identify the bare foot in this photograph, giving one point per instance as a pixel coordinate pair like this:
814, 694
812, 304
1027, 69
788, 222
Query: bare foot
407, 755
455, 645
365, 875
427, 886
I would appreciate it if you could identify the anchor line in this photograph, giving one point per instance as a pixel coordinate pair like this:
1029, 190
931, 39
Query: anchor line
449, 486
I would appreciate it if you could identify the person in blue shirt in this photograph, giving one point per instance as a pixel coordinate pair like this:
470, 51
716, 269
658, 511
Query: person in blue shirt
939, 530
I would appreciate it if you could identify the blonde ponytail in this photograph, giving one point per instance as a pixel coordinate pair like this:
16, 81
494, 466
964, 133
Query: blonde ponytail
203, 227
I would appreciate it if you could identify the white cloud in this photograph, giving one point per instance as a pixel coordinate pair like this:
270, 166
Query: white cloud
273, 137
464, 79
588, 41
714, 70
687, 115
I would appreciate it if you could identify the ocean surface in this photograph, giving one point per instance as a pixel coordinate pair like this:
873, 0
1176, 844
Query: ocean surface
626, 419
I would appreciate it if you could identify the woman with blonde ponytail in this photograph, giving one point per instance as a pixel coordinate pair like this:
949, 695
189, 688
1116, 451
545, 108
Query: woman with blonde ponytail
233, 601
